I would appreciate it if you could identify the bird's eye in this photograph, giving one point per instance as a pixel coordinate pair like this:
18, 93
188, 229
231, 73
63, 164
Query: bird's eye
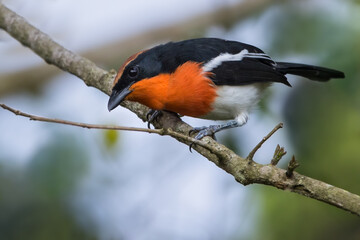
133, 72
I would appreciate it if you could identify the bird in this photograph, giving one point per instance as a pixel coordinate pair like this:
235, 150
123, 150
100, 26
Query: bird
208, 78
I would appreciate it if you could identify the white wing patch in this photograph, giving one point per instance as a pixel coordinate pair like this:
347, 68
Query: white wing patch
226, 57
260, 56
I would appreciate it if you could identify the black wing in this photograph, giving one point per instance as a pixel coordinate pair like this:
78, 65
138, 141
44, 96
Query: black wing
255, 67
247, 71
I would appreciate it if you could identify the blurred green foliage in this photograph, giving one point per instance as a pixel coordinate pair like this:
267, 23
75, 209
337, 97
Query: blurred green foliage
111, 138
323, 122
34, 200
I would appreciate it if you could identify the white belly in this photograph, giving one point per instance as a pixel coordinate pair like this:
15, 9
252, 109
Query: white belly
235, 102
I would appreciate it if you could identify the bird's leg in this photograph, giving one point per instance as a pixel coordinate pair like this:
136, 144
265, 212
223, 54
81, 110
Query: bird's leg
152, 115
212, 129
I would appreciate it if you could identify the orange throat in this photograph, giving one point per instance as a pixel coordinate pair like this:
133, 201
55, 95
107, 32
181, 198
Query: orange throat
188, 91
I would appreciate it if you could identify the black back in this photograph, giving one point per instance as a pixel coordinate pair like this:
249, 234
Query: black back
202, 50
199, 50
167, 57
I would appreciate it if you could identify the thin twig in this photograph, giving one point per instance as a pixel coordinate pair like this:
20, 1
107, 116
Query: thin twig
78, 124
252, 153
169, 131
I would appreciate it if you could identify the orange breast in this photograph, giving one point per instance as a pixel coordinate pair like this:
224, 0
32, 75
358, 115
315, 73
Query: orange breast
151, 92
191, 92
187, 91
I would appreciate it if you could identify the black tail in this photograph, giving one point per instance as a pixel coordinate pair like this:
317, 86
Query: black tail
308, 71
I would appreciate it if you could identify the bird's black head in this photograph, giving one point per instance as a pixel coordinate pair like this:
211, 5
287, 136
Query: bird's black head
139, 66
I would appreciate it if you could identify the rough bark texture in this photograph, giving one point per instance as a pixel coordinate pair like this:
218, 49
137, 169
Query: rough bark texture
244, 170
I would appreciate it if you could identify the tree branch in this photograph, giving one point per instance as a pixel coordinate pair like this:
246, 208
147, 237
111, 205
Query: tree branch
244, 171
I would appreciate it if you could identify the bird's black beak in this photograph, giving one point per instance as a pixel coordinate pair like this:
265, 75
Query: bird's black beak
117, 97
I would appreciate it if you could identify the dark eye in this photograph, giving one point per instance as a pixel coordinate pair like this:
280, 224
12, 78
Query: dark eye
133, 72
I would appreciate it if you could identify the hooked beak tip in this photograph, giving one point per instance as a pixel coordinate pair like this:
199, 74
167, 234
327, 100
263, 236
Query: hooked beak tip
111, 106
117, 97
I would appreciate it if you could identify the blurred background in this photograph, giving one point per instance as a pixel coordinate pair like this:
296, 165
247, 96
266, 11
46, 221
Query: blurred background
62, 182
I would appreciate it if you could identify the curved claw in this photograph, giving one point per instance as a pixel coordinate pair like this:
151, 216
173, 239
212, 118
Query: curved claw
190, 146
203, 132
196, 129
212, 129
151, 116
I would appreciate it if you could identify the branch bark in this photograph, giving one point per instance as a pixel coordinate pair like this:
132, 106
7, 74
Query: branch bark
245, 171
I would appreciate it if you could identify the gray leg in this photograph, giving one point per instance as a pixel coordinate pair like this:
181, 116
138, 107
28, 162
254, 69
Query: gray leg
241, 119
212, 129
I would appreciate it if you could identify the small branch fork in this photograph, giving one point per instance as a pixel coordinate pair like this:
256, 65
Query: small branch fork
245, 171
278, 154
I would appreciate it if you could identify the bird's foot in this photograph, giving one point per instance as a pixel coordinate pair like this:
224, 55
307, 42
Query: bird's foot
203, 132
212, 129
152, 115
